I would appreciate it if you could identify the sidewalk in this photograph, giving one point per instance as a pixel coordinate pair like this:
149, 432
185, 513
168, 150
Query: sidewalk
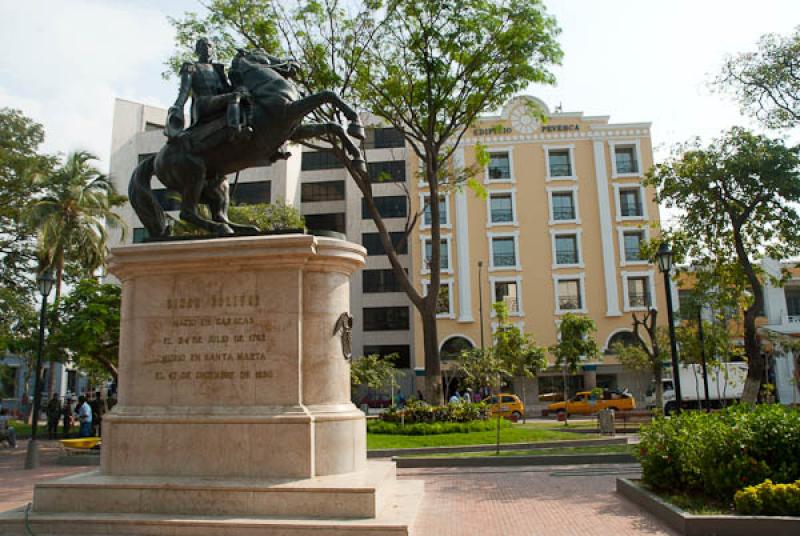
487, 501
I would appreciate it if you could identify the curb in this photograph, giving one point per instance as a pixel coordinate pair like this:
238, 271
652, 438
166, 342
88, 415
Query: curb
505, 461
701, 525
387, 453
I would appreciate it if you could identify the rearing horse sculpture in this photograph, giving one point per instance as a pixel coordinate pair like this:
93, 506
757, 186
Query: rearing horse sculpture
276, 116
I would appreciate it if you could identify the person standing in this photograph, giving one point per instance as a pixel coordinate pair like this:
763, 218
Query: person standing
84, 411
53, 416
99, 408
11, 434
68, 416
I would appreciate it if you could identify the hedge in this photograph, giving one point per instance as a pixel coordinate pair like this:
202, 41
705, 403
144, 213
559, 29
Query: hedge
717, 454
393, 428
768, 499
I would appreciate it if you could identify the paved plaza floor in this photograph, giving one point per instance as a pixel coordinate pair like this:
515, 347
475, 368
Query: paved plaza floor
485, 501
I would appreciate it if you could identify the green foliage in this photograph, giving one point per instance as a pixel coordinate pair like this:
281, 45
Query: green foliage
576, 341
767, 82
481, 368
518, 350
738, 200
266, 216
89, 328
769, 499
717, 454
373, 370
431, 428
419, 412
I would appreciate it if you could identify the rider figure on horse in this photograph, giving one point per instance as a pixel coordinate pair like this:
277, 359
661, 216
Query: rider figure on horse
212, 96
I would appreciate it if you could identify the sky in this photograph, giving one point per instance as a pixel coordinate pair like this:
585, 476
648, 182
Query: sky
63, 63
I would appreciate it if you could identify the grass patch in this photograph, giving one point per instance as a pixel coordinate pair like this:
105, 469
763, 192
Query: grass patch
424, 428
606, 449
696, 504
518, 433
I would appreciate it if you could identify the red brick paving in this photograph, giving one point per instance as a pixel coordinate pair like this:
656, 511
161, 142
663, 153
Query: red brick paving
485, 501
528, 501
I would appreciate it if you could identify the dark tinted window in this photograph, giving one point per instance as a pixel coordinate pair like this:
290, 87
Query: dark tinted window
167, 199
139, 234
372, 242
390, 171
380, 281
319, 160
322, 191
326, 222
251, 193
403, 352
384, 138
389, 206
385, 318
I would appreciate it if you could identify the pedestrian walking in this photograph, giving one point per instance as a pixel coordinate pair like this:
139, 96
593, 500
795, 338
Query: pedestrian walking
84, 411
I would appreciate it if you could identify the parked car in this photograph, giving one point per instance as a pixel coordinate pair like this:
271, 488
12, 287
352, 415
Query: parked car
506, 405
583, 403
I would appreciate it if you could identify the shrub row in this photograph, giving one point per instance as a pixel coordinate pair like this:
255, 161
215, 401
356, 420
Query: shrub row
768, 499
393, 428
420, 412
716, 454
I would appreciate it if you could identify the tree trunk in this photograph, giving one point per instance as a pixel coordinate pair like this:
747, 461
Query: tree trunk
524, 402
433, 369
756, 362
658, 375
51, 377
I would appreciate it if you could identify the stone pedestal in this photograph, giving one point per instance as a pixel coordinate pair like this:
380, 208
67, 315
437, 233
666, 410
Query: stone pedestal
234, 399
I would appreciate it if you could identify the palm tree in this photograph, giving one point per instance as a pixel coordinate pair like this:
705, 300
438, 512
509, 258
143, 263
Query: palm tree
71, 219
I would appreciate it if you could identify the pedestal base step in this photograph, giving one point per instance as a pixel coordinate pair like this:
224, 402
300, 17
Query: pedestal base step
350, 495
395, 519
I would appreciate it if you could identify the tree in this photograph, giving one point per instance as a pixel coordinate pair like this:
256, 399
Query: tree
20, 163
767, 82
576, 343
428, 69
482, 368
649, 353
373, 370
71, 219
522, 356
88, 330
738, 200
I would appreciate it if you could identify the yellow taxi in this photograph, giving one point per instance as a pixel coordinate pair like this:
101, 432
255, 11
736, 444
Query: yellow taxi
585, 403
506, 405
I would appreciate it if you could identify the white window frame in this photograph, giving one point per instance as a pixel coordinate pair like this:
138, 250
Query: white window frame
621, 230
514, 222
515, 235
581, 277
612, 146
444, 238
513, 279
562, 190
650, 275
451, 314
570, 147
579, 243
618, 204
422, 197
509, 151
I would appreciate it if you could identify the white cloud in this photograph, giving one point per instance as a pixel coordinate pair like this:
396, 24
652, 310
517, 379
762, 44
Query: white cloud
65, 62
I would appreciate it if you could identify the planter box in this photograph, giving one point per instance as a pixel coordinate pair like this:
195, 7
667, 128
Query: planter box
702, 525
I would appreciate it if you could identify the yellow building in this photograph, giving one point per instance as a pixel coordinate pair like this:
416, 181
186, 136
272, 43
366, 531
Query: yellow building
558, 232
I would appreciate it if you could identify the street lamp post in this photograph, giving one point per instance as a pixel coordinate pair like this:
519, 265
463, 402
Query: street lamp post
664, 257
45, 284
480, 300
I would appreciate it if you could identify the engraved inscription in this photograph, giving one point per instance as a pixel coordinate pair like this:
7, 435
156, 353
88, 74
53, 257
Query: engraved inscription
212, 345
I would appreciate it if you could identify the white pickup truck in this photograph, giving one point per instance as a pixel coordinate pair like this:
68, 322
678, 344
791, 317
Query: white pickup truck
725, 385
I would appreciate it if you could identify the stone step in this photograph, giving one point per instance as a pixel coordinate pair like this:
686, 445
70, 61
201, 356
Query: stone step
351, 495
395, 519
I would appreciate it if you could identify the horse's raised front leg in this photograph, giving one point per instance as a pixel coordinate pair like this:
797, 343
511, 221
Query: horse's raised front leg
217, 195
192, 193
306, 105
315, 130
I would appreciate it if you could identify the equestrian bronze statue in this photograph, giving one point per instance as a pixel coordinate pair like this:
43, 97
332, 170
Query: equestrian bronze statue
238, 121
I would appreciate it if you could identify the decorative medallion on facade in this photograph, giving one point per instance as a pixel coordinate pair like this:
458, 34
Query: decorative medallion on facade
522, 119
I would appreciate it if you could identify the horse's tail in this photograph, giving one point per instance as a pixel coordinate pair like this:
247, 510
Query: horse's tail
143, 201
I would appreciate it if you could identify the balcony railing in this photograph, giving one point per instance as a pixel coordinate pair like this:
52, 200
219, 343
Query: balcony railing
639, 299
631, 209
627, 166
512, 304
633, 254
566, 213
569, 302
499, 173
505, 260
560, 170
501, 216
566, 257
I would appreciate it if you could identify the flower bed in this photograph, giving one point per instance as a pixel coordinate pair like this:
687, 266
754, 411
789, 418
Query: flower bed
717, 454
